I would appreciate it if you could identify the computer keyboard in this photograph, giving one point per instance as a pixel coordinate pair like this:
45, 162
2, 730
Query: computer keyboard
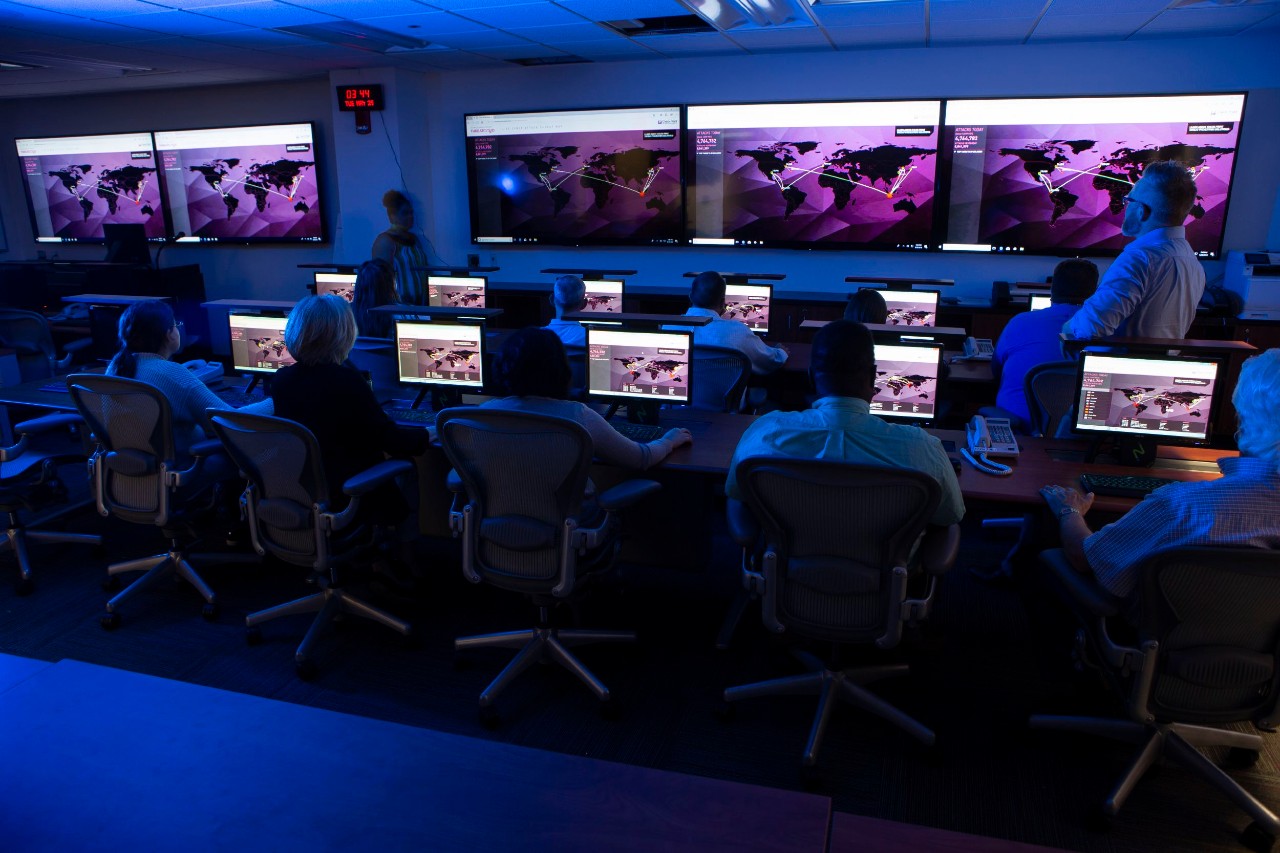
237, 398
411, 417
642, 433
1122, 485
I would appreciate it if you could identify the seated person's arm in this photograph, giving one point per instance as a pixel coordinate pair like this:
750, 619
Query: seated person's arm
1118, 294
1072, 527
615, 448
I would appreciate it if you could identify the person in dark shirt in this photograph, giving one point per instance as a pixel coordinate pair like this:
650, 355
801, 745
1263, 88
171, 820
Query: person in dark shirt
328, 396
375, 286
867, 306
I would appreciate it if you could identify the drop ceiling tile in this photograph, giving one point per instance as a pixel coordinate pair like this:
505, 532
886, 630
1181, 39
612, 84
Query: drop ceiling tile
618, 48
870, 15
1094, 27
514, 16
787, 39
256, 39
568, 32
354, 10
1223, 20
612, 10
528, 51
965, 10
899, 35
425, 24
459, 60
267, 14
1106, 7
692, 44
177, 23
980, 31
487, 38
92, 8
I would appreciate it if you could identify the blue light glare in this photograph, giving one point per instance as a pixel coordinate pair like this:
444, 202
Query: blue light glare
508, 184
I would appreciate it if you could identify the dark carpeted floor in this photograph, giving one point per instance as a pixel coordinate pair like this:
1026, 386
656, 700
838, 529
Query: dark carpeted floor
976, 676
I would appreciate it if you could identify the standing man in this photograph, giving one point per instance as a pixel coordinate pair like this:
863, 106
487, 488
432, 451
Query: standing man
1153, 288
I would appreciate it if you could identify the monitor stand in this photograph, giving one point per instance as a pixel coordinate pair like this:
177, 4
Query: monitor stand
253, 383
1132, 451
643, 412
441, 398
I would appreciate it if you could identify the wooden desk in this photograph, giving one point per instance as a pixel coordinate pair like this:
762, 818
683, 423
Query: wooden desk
630, 317
109, 299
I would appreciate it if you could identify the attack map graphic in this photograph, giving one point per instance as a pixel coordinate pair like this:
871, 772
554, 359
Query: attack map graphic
1154, 403
259, 348
661, 371
904, 387
449, 360
85, 191
262, 192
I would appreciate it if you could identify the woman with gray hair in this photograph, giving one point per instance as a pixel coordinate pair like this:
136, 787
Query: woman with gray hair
328, 396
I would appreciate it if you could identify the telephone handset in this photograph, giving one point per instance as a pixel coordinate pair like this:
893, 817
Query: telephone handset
979, 349
205, 371
989, 437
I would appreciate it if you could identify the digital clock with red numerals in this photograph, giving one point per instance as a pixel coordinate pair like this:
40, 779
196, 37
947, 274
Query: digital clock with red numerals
359, 98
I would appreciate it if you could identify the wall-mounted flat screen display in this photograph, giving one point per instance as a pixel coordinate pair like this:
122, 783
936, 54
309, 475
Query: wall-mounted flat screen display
837, 175
242, 184
609, 176
77, 184
1050, 175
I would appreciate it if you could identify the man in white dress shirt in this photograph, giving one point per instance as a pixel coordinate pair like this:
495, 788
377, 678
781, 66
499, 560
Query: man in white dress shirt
707, 298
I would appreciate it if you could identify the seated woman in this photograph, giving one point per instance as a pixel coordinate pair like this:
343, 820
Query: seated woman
327, 395
149, 337
375, 286
533, 370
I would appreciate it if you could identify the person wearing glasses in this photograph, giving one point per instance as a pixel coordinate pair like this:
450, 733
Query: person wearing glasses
1152, 289
149, 338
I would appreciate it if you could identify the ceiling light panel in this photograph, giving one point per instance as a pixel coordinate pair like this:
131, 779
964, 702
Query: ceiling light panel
267, 15
613, 10
522, 15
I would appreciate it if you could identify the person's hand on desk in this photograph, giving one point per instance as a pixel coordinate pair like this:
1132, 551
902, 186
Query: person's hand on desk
677, 438
1064, 500
1069, 507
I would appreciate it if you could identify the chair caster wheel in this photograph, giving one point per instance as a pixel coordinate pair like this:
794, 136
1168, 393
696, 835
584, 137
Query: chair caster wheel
1256, 838
1239, 758
488, 717
110, 621
111, 583
305, 669
723, 711
253, 635
210, 611
24, 587
610, 709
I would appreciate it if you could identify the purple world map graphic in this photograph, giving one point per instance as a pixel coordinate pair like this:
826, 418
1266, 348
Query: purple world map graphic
1062, 186
825, 185
905, 384
86, 191
250, 193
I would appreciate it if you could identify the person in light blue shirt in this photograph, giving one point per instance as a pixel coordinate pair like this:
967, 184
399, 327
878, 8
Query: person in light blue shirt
1153, 288
707, 300
840, 426
568, 295
1031, 339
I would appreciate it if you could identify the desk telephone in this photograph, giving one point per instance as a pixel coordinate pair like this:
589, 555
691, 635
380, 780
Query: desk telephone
205, 371
979, 349
989, 437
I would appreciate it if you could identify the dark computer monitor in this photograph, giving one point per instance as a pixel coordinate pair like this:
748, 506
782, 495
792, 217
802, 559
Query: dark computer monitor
910, 307
749, 303
338, 283
642, 366
604, 296
257, 343
906, 381
449, 355
1160, 397
449, 291
127, 243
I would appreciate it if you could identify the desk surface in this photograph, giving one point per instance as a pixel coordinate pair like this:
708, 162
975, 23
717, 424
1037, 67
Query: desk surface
109, 299
276, 304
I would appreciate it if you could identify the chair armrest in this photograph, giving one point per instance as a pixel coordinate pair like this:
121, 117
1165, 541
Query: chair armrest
1083, 591
208, 447
371, 478
939, 549
742, 523
454, 482
626, 494
35, 426
76, 345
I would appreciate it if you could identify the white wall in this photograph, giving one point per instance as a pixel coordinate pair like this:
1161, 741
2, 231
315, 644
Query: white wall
424, 131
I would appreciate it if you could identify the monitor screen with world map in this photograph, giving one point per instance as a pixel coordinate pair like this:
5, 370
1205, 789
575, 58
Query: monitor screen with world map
78, 184
1049, 175
242, 184
576, 177
835, 175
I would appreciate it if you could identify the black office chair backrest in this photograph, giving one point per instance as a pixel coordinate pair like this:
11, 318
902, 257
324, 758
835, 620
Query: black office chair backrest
281, 460
839, 529
1051, 394
27, 333
1216, 614
133, 424
719, 376
524, 474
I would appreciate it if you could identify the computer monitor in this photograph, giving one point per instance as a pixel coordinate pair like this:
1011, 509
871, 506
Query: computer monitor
441, 354
625, 364
1157, 396
1038, 302
749, 303
460, 291
338, 283
126, 243
257, 343
906, 381
910, 307
603, 296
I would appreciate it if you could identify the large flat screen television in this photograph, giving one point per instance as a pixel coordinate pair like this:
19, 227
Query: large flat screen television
804, 175
77, 184
242, 184
1049, 175
576, 177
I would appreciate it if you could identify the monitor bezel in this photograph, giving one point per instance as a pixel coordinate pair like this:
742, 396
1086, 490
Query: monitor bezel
623, 396
918, 420
1215, 402
457, 385
768, 286
622, 293
264, 371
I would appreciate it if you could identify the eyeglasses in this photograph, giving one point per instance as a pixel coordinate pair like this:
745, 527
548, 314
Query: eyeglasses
179, 325
1129, 199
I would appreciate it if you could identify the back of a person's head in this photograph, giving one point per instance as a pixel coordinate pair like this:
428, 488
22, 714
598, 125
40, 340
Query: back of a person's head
1172, 184
843, 351
393, 200
320, 330
569, 293
866, 306
1255, 398
375, 285
532, 363
707, 290
144, 327
1074, 281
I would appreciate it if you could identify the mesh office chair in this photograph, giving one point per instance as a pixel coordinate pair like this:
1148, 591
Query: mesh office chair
28, 483
1051, 394
136, 477
288, 503
722, 375
835, 567
1207, 653
525, 526
28, 334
